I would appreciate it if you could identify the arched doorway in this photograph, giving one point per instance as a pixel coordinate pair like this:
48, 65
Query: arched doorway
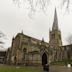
44, 59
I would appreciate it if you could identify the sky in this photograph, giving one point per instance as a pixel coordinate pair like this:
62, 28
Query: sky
14, 20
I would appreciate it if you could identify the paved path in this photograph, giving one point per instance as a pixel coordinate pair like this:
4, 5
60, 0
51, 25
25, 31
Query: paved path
60, 69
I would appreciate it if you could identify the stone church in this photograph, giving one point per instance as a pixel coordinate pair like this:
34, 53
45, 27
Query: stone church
26, 50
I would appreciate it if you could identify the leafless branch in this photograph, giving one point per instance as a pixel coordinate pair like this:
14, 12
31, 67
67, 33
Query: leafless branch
69, 39
1, 42
34, 5
2, 36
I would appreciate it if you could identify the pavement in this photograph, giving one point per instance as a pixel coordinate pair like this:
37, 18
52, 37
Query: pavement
60, 69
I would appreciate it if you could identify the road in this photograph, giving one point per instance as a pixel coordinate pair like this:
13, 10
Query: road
60, 69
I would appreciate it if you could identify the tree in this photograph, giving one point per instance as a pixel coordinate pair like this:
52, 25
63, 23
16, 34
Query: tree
69, 39
69, 52
2, 37
43, 4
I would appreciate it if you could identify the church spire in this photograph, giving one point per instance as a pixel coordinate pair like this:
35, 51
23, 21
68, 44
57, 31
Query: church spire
55, 23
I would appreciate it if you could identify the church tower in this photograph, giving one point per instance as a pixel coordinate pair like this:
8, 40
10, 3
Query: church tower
55, 34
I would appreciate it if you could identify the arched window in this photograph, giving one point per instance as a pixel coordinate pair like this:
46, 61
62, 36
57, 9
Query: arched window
24, 50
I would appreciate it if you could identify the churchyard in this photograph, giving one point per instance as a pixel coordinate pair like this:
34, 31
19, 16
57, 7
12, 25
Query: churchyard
52, 68
7, 68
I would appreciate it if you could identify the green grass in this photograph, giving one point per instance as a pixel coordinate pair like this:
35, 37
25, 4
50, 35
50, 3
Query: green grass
60, 63
6, 68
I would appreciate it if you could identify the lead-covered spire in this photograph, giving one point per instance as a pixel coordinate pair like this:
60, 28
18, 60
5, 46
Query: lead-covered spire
55, 23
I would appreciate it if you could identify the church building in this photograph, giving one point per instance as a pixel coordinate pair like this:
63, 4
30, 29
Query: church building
26, 50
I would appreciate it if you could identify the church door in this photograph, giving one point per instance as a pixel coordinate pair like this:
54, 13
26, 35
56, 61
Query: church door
44, 59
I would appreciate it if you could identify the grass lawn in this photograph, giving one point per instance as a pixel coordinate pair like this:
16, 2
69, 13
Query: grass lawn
58, 63
6, 68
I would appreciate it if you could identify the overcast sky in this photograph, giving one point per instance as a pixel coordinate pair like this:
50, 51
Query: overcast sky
13, 20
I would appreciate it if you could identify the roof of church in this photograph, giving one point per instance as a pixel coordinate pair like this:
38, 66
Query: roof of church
55, 23
34, 40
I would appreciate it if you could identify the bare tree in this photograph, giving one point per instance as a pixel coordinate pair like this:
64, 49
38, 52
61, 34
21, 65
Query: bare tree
2, 36
69, 51
43, 4
69, 39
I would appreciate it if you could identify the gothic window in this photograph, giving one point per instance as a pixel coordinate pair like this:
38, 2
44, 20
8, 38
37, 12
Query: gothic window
24, 50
